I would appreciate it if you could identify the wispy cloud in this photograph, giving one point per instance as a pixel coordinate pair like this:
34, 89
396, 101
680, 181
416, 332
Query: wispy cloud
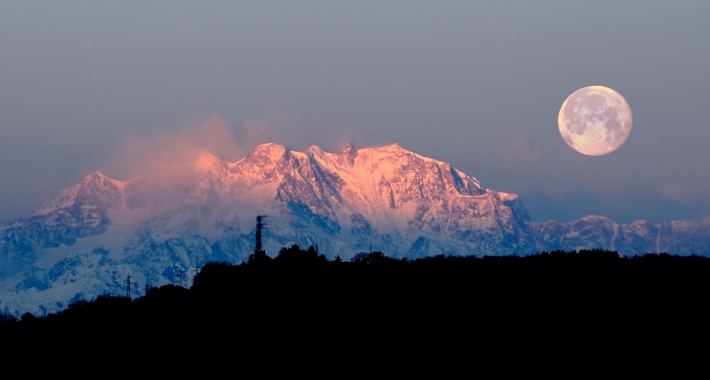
523, 150
174, 155
678, 193
283, 127
167, 154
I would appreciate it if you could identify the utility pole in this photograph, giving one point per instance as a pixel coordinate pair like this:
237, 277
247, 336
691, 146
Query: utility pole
128, 286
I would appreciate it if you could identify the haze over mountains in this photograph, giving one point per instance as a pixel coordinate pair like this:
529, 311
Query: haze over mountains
87, 239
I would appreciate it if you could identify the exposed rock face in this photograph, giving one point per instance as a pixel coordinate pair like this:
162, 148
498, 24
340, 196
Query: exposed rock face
87, 239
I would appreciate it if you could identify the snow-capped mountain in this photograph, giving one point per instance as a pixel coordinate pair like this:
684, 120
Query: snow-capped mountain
86, 240
637, 238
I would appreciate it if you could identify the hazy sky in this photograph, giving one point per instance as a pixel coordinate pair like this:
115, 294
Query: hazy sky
88, 85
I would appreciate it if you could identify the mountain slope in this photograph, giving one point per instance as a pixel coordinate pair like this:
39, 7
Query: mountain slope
87, 239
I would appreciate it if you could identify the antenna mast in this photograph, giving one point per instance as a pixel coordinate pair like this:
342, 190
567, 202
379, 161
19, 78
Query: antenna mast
128, 286
259, 227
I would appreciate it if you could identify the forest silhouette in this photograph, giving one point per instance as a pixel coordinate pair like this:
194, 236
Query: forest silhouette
300, 296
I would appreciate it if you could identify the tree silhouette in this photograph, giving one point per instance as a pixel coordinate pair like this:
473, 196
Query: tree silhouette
371, 258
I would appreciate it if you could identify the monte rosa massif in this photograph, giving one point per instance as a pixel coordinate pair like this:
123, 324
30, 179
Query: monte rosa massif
87, 239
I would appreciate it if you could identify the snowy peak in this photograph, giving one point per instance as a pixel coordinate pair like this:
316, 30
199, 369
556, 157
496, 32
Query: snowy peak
381, 190
347, 155
74, 213
266, 164
101, 191
513, 201
95, 190
270, 152
385, 191
636, 238
409, 172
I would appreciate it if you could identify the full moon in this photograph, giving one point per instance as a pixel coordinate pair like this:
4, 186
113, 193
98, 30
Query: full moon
595, 120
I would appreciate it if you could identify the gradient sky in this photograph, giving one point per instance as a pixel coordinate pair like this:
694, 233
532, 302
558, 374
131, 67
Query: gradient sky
88, 85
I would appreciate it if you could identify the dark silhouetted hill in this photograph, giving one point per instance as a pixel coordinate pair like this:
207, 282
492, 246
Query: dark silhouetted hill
436, 303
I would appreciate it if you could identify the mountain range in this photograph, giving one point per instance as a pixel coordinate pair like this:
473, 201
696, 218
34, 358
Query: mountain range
88, 239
